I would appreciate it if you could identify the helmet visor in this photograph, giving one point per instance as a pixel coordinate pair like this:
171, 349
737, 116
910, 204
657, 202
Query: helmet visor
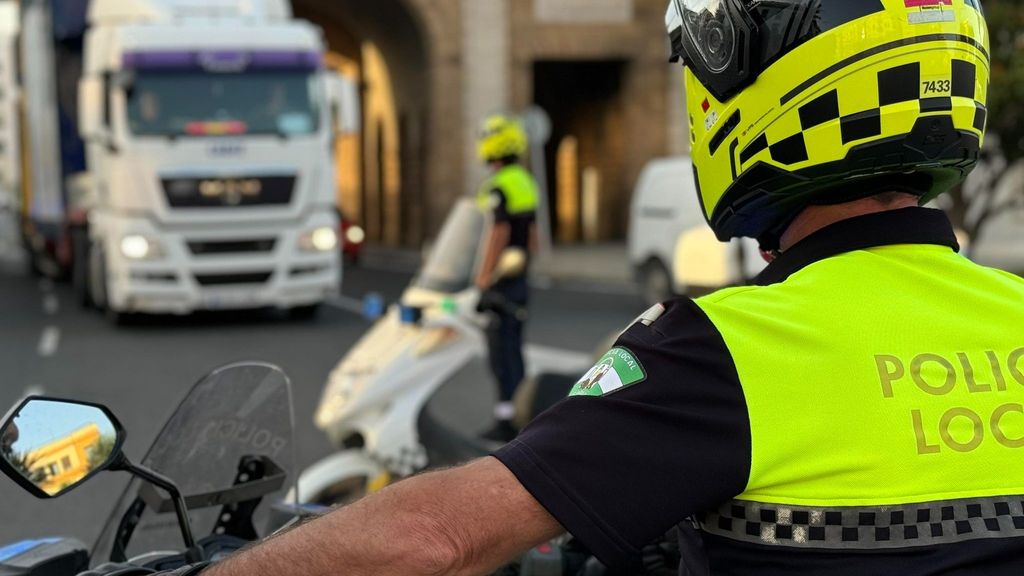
728, 43
713, 38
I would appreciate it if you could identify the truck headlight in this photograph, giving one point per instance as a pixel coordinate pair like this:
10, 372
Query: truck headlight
322, 239
138, 247
355, 235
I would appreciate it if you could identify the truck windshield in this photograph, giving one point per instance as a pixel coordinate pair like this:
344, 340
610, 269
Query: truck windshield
204, 104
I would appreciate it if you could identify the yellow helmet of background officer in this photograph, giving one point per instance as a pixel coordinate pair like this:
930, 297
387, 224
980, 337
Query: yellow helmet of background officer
826, 101
501, 137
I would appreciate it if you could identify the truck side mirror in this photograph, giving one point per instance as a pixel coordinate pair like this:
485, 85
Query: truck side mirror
90, 108
50, 447
346, 109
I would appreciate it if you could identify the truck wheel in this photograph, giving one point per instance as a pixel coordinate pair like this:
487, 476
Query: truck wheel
98, 287
655, 283
98, 277
32, 263
309, 312
80, 264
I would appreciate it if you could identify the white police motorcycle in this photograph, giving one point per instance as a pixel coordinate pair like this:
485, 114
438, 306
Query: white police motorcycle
376, 406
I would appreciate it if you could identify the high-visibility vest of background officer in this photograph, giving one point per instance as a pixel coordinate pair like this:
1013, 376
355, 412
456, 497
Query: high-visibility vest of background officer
509, 197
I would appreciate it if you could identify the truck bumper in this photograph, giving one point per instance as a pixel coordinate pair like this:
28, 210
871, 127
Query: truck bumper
244, 266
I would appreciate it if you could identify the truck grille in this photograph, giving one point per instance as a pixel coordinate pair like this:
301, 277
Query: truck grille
232, 247
231, 279
228, 192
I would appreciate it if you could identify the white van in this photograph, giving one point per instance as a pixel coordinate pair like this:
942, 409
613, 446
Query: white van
671, 247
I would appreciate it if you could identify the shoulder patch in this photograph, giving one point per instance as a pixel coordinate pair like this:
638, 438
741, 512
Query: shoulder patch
616, 370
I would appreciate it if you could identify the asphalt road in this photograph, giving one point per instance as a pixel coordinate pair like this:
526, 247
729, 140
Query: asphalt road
49, 345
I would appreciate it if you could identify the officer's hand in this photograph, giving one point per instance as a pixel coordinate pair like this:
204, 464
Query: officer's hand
488, 301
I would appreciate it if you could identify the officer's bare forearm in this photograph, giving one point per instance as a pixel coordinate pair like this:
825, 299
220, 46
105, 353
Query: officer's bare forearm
497, 241
465, 521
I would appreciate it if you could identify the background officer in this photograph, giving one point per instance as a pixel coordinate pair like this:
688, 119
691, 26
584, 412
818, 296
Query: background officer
860, 410
509, 196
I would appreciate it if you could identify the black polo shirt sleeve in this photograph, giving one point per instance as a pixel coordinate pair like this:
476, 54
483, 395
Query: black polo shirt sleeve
620, 470
499, 202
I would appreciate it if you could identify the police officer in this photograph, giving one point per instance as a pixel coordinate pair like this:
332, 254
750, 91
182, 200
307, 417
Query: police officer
509, 196
859, 410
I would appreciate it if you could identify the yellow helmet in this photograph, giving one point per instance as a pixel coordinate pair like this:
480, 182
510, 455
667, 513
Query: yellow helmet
501, 137
802, 102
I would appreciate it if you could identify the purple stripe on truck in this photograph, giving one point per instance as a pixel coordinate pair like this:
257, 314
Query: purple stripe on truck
222, 60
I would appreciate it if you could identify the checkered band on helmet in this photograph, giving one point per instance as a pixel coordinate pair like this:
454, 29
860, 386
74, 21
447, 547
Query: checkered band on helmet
878, 96
896, 85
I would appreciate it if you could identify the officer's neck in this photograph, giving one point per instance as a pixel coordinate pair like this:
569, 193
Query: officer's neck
815, 218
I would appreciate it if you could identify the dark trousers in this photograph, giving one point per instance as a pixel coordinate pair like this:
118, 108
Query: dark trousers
505, 336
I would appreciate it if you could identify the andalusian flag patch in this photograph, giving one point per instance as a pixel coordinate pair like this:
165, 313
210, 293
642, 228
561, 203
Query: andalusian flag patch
616, 370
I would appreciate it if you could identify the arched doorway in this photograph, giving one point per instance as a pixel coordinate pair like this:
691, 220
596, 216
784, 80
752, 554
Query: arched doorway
384, 45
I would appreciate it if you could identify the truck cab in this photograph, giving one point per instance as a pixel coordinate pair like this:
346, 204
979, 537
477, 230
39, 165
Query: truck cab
206, 178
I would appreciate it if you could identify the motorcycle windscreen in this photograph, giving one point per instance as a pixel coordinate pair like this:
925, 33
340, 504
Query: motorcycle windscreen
236, 414
452, 264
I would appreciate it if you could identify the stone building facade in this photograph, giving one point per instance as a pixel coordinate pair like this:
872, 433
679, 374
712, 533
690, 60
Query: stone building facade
598, 67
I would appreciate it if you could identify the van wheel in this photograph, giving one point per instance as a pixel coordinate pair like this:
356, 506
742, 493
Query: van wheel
655, 283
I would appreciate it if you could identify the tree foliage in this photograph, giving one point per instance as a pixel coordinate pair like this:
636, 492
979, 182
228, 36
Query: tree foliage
100, 452
23, 465
992, 190
1006, 94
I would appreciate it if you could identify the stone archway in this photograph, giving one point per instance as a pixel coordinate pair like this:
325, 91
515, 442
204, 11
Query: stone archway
404, 200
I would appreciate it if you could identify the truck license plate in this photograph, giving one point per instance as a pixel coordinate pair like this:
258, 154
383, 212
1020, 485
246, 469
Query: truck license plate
229, 300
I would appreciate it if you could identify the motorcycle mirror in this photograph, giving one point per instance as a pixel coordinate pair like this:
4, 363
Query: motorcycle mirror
50, 447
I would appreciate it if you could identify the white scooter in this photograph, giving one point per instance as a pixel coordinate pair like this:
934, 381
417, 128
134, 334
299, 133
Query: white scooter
376, 404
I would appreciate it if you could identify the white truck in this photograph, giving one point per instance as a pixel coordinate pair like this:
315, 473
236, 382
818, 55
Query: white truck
671, 248
10, 161
179, 154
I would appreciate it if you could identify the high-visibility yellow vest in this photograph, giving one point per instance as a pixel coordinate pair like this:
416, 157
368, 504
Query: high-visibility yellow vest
518, 186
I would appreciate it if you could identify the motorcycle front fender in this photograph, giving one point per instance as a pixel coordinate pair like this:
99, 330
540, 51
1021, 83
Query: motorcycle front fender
334, 470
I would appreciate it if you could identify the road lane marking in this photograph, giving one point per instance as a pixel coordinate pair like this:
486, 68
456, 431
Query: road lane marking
49, 341
51, 304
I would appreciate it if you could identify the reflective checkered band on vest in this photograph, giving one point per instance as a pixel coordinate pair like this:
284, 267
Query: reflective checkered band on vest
868, 527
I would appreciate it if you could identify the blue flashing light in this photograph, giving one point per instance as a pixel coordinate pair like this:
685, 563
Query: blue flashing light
19, 548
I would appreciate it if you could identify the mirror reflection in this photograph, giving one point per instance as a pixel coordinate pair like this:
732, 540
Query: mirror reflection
55, 445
